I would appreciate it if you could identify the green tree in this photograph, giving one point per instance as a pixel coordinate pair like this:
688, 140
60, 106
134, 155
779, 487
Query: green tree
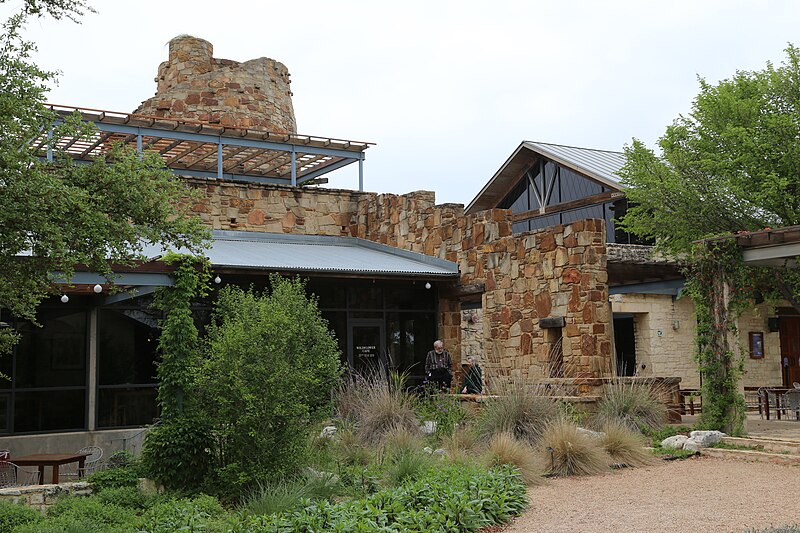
731, 165
59, 214
270, 366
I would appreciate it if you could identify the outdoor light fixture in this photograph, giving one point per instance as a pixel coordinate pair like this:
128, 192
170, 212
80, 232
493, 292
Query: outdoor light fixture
427, 284
64, 299
97, 288
218, 280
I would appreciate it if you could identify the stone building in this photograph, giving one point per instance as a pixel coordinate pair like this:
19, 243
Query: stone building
653, 327
392, 272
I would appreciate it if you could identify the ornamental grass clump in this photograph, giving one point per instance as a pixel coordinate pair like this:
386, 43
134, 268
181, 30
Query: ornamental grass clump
565, 451
635, 404
520, 409
623, 445
381, 404
505, 449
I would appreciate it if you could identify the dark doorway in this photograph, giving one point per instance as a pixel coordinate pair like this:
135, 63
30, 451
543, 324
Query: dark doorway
790, 349
625, 344
367, 345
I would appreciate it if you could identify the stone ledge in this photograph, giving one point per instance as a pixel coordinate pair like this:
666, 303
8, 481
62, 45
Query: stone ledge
752, 456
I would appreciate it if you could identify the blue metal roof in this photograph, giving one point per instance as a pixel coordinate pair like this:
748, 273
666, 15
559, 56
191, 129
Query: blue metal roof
319, 253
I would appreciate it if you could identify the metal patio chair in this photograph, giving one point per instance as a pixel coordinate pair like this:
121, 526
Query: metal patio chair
90, 466
792, 403
12, 475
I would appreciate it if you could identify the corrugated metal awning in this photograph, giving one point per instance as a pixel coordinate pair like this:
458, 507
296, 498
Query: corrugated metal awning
318, 253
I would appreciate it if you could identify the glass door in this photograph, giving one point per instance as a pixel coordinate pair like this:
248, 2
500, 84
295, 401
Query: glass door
367, 345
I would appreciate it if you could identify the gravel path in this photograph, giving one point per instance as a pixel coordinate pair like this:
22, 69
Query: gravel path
695, 495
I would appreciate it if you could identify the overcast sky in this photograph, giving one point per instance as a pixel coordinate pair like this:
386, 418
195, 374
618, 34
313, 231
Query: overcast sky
447, 89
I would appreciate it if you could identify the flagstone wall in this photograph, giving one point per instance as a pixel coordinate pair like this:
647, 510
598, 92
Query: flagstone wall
550, 273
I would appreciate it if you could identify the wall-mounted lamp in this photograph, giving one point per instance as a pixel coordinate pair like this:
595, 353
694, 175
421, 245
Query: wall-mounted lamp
676, 325
218, 280
427, 284
64, 298
97, 289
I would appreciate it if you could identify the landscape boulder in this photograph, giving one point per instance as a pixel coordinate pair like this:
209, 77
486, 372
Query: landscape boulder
705, 438
675, 442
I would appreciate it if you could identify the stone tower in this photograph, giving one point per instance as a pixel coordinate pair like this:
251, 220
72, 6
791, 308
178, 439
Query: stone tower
193, 84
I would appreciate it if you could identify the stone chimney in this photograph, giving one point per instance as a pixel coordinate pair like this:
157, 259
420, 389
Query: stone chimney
192, 84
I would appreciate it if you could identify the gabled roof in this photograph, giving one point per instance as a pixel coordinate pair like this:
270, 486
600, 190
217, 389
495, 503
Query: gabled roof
278, 252
599, 165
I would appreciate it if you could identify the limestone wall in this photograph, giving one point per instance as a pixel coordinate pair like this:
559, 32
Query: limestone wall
276, 208
672, 352
42, 497
194, 85
764, 372
558, 271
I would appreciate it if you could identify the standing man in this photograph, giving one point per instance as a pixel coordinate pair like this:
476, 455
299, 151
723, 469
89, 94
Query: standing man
439, 366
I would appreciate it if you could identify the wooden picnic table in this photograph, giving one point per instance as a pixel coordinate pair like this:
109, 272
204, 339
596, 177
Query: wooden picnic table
54, 460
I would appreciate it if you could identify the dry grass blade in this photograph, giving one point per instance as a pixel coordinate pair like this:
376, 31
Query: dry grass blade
376, 403
399, 440
636, 403
624, 446
504, 448
567, 452
520, 409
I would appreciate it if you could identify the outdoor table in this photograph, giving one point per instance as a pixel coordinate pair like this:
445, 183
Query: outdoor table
51, 459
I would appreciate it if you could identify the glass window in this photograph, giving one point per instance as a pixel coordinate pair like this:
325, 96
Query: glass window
55, 410
329, 292
365, 297
53, 355
127, 344
128, 406
410, 336
411, 295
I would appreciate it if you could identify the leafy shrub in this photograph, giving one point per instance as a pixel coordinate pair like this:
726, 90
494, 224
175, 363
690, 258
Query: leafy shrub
658, 435
177, 453
518, 410
129, 497
70, 509
506, 449
271, 364
446, 411
623, 445
120, 459
187, 514
567, 452
69, 524
455, 499
637, 405
127, 476
14, 514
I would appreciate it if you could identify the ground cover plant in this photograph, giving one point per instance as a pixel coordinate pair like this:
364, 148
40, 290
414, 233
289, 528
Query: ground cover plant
456, 498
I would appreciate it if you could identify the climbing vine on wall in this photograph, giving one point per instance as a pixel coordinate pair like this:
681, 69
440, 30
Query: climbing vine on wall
722, 288
179, 340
